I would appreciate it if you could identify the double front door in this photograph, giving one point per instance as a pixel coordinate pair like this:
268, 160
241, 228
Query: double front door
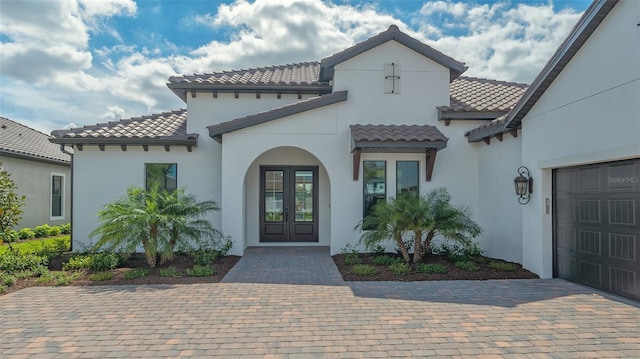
289, 204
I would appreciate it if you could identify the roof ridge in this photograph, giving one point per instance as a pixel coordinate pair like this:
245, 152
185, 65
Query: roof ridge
25, 126
494, 81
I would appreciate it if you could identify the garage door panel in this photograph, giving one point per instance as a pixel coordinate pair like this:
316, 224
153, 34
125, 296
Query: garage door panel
597, 226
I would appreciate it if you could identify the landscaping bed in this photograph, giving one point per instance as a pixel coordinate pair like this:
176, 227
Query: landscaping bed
485, 268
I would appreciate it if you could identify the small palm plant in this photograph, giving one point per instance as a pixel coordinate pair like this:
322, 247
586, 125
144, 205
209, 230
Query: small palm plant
423, 217
154, 219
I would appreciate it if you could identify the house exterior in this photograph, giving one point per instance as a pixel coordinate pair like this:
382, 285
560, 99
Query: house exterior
297, 154
41, 172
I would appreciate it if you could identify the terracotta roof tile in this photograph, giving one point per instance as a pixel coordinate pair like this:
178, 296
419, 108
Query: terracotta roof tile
166, 124
21, 140
478, 94
396, 133
305, 73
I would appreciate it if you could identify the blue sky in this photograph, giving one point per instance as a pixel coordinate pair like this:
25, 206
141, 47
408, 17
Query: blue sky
76, 62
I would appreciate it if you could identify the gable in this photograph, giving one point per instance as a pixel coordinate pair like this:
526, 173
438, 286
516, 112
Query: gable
393, 33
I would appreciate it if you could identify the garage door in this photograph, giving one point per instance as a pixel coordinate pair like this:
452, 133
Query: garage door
597, 226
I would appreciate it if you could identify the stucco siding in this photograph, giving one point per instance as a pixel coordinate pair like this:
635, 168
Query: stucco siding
590, 114
33, 179
499, 213
106, 175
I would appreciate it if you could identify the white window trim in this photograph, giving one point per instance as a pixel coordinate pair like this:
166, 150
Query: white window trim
62, 195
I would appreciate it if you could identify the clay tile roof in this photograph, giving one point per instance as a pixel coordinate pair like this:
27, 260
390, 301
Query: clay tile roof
305, 73
477, 94
166, 125
397, 136
19, 140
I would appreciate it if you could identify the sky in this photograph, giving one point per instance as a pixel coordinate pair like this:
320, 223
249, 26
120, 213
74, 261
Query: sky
67, 63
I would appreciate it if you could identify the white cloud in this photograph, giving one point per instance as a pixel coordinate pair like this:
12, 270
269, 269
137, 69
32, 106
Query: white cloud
50, 75
496, 42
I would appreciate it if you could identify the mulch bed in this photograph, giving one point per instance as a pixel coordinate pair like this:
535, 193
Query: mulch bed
453, 272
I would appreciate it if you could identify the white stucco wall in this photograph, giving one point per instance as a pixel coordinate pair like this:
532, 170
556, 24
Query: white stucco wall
105, 176
499, 212
33, 179
590, 114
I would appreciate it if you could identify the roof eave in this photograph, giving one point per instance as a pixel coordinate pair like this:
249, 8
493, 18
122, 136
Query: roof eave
181, 89
489, 131
469, 115
181, 140
406, 146
26, 156
587, 24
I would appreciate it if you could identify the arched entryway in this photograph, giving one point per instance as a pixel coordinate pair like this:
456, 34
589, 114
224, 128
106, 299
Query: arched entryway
287, 191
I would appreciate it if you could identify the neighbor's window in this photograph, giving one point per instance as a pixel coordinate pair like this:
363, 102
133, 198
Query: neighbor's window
375, 177
406, 177
57, 189
165, 175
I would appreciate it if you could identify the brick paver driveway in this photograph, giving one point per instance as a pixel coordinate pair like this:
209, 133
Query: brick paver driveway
491, 319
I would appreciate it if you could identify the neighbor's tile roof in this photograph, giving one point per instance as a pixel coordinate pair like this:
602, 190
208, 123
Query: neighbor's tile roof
166, 125
396, 133
23, 141
477, 94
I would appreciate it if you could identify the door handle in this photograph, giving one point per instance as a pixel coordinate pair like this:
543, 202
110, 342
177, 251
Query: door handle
286, 214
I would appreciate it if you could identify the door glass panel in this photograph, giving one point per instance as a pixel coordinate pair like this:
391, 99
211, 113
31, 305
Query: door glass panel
304, 196
273, 196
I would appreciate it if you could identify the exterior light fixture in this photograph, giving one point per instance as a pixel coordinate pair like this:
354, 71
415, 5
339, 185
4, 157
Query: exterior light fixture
523, 185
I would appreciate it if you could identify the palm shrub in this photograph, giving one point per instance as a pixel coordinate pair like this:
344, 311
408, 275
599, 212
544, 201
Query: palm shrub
155, 219
424, 217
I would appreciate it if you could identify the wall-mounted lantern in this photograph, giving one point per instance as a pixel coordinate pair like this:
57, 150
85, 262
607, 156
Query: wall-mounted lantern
523, 185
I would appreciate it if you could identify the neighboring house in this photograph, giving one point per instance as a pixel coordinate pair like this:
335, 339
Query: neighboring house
297, 154
40, 170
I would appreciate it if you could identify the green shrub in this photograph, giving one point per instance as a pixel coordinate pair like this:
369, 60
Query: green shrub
94, 261
65, 228
11, 263
9, 236
399, 268
101, 276
431, 268
386, 260
49, 247
467, 265
352, 259
60, 278
54, 231
26, 233
42, 231
3, 289
502, 266
201, 271
135, 273
7, 279
364, 270
170, 272
204, 257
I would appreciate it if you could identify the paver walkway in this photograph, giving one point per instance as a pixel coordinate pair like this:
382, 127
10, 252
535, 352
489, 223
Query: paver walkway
483, 319
285, 265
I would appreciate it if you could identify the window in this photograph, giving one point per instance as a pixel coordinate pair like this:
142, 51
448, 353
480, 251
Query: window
375, 177
57, 196
392, 78
164, 175
406, 177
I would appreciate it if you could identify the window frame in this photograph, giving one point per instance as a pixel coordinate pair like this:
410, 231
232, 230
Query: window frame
364, 185
417, 176
62, 177
146, 174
